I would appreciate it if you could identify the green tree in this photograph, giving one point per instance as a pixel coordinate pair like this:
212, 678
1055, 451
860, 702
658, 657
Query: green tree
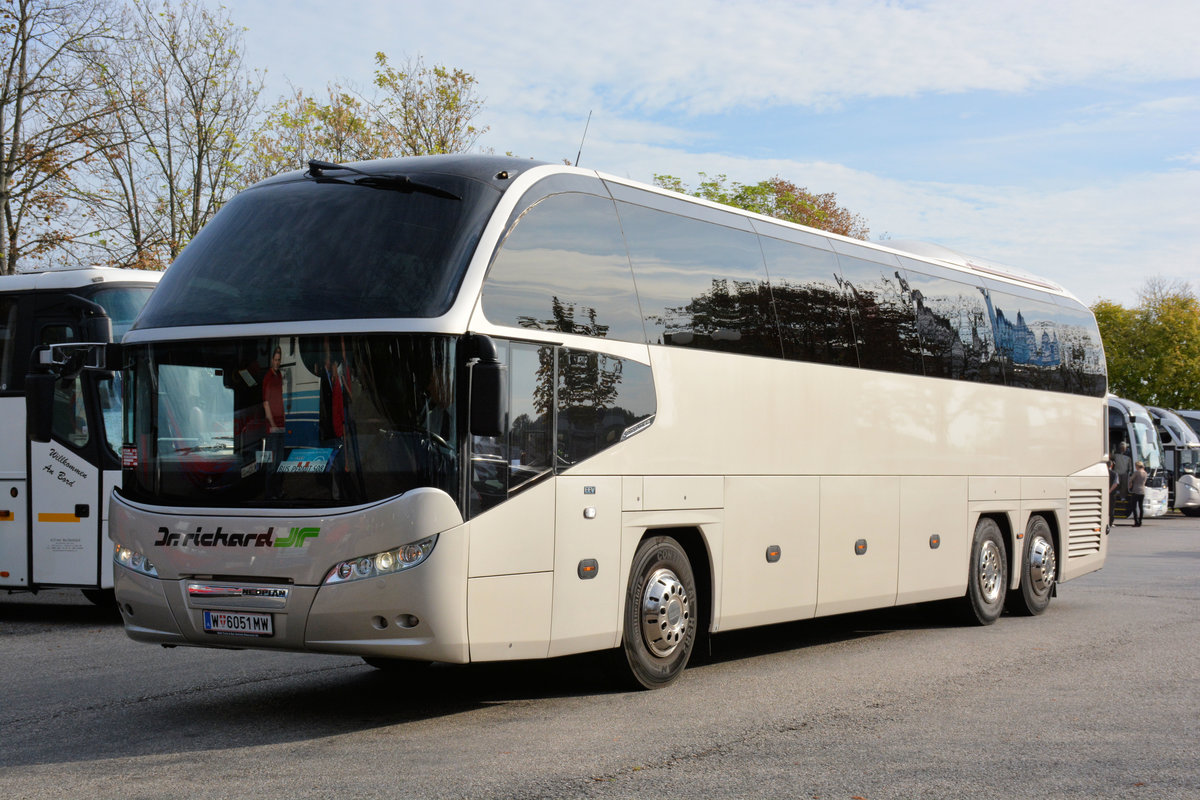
1153, 349
775, 197
300, 127
427, 110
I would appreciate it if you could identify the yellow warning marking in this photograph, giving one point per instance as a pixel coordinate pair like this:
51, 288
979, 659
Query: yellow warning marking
57, 518
6, 516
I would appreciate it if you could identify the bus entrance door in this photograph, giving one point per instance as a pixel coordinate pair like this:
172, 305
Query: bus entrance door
65, 489
65, 481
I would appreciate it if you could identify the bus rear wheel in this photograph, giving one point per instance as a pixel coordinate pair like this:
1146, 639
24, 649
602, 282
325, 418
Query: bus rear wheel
1039, 570
987, 581
660, 613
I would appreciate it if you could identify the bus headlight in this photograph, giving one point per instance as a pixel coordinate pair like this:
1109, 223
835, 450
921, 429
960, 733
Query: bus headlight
132, 559
389, 561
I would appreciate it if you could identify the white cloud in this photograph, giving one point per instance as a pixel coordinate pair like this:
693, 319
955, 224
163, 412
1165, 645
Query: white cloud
704, 56
647, 70
707, 56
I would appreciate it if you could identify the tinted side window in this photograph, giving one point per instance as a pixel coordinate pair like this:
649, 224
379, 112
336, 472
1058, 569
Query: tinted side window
563, 406
813, 318
952, 322
602, 400
1083, 367
563, 267
8, 344
700, 284
69, 422
504, 464
885, 327
1026, 336
531, 401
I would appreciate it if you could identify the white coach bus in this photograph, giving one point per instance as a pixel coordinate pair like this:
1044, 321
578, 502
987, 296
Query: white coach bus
1132, 437
54, 494
1181, 449
547, 411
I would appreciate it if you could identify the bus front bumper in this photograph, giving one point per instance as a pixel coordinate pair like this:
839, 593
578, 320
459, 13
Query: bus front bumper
415, 614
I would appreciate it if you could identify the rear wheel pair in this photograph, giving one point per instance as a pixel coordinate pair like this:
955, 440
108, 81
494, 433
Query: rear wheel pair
987, 581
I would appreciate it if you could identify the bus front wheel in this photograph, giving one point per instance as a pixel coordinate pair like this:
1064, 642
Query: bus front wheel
987, 581
660, 613
1039, 570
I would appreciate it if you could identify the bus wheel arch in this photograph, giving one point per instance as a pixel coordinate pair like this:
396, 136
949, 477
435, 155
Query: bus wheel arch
1038, 567
987, 574
662, 609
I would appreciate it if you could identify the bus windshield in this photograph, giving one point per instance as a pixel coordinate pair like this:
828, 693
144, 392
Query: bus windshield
122, 304
1146, 445
290, 421
307, 250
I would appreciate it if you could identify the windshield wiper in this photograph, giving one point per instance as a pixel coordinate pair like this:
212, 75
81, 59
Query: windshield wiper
401, 183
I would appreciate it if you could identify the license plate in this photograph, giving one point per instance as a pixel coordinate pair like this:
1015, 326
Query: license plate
238, 622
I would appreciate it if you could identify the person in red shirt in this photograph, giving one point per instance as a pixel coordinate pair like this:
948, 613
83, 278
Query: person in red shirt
272, 386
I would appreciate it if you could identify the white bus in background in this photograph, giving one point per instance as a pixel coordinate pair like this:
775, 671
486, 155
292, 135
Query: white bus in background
560, 412
1181, 448
1192, 418
54, 495
1132, 437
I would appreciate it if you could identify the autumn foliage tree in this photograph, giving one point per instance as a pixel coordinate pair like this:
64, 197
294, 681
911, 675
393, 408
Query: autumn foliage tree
182, 105
1153, 349
775, 197
413, 110
50, 108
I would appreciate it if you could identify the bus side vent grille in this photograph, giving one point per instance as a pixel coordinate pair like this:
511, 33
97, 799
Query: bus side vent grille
1086, 518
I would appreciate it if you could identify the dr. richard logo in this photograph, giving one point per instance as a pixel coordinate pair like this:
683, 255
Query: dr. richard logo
295, 537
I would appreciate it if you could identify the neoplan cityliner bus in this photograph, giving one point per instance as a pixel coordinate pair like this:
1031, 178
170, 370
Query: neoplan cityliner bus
54, 494
474, 408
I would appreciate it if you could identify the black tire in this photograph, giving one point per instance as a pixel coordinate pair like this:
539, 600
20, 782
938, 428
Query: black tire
987, 578
660, 613
1190, 511
1039, 570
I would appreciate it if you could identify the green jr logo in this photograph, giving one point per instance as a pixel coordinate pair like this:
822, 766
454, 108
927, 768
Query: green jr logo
296, 537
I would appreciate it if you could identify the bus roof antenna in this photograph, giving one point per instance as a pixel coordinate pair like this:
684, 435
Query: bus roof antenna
585, 129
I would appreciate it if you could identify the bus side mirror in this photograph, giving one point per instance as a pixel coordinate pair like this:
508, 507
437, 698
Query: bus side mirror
39, 406
488, 393
97, 329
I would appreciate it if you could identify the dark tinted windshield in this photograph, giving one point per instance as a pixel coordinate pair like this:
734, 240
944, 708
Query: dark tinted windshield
295, 421
306, 250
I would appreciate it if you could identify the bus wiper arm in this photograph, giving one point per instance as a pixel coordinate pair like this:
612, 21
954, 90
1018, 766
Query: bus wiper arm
401, 183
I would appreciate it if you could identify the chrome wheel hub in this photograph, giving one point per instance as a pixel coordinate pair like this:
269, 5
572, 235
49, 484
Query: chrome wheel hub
990, 570
666, 610
1043, 565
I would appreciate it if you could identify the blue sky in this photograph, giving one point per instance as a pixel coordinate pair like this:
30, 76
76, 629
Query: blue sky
1059, 137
